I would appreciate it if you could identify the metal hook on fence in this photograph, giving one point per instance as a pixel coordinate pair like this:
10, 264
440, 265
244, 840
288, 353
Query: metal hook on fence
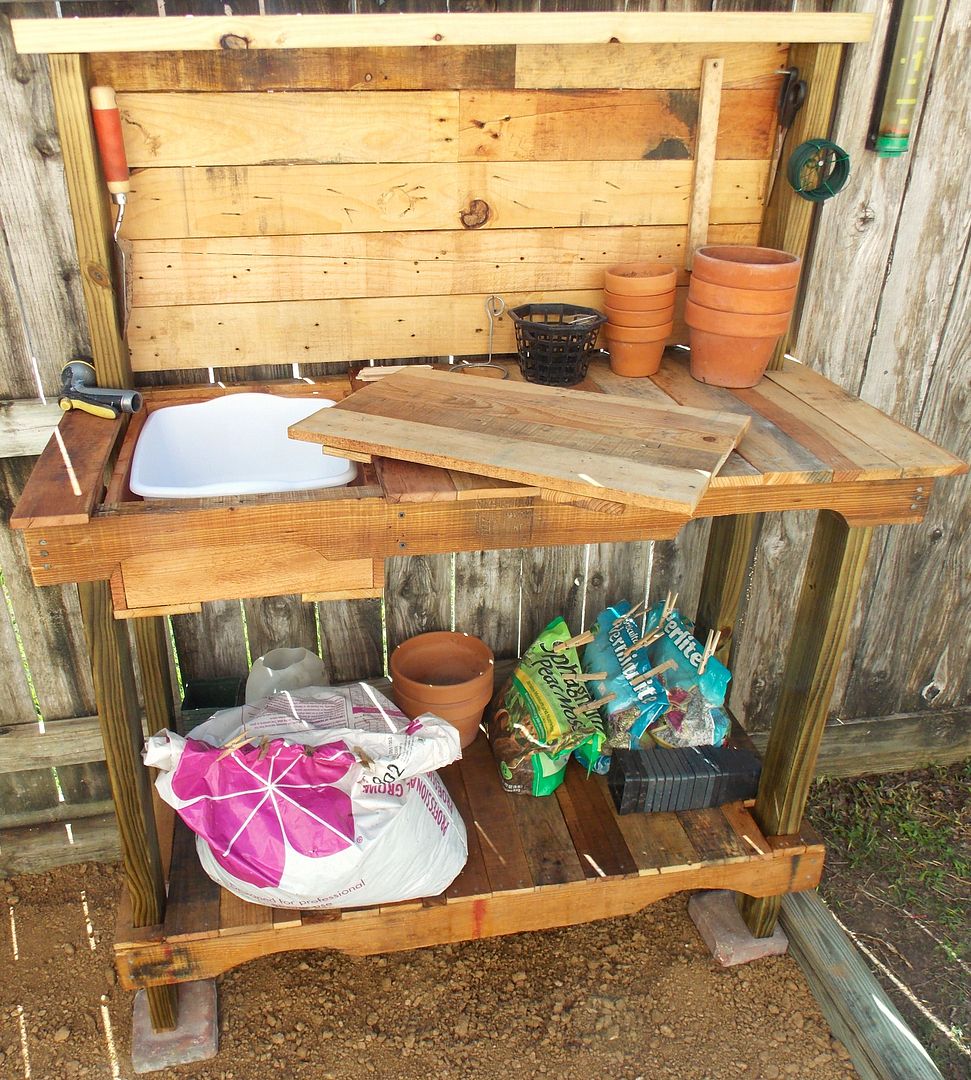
495, 306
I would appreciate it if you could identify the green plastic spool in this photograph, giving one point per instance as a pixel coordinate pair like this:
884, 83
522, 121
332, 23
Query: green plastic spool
818, 169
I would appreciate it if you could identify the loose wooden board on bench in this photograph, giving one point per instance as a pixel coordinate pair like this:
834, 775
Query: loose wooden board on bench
592, 445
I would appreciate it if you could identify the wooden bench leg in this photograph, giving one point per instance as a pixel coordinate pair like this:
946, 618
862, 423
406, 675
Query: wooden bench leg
121, 730
826, 603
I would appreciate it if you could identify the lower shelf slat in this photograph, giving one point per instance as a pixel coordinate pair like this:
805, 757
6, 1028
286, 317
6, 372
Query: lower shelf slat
533, 864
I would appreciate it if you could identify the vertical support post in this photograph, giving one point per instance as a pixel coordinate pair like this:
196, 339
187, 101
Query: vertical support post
151, 644
730, 545
703, 181
826, 603
89, 210
121, 730
788, 218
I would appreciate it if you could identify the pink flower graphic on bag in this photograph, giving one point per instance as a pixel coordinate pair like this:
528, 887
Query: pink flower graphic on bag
251, 804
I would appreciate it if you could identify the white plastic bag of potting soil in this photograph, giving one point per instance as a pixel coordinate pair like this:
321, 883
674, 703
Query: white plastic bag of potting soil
325, 797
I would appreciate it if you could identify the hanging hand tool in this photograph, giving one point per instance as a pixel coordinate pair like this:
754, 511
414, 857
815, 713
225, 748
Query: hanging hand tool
114, 163
495, 306
80, 390
792, 94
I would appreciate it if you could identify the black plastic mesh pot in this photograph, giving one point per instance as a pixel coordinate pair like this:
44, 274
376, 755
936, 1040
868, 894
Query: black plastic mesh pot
555, 341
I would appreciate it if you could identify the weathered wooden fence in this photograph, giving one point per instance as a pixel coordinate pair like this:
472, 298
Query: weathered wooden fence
885, 314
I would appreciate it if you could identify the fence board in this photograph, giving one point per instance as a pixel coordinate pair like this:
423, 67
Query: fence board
418, 596
487, 597
211, 644
279, 622
351, 635
552, 585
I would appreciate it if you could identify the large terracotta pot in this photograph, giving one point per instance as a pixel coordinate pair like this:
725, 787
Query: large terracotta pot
733, 324
445, 673
635, 359
748, 301
743, 267
618, 317
729, 361
639, 333
640, 278
641, 302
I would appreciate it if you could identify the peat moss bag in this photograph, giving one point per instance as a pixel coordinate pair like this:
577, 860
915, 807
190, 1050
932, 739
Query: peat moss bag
326, 797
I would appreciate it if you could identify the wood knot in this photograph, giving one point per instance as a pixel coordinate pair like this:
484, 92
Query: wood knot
233, 41
99, 275
476, 214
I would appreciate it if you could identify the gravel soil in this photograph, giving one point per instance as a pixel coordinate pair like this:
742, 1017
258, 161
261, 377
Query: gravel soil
621, 998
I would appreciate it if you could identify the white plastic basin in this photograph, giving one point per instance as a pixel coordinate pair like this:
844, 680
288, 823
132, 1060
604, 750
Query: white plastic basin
232, 445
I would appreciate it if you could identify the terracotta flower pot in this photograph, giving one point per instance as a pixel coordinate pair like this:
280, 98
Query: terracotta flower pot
733, 324
729, 361
445, 673
639, 333
643, 302
617, 317
743, 267
639, 279
747, 301
635, 359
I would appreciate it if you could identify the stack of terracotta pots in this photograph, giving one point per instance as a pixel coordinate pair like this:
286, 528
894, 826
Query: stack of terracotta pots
639, 303
739, 304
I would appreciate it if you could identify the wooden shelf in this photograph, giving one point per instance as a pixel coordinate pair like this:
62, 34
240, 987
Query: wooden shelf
533, 863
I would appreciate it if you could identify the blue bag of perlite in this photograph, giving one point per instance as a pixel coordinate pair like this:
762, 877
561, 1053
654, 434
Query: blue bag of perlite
679, 644
633, 707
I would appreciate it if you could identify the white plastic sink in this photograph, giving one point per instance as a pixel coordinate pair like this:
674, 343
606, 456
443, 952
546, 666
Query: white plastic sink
232, 445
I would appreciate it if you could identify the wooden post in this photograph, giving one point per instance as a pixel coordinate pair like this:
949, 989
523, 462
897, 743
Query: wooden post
727, 562
151, 643
709, 107
788, 218
829, 589
121, 730
90, 212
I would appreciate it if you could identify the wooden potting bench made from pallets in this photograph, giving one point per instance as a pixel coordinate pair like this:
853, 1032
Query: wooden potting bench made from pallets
428, 162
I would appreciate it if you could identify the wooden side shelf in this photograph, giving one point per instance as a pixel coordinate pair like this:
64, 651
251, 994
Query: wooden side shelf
533, 863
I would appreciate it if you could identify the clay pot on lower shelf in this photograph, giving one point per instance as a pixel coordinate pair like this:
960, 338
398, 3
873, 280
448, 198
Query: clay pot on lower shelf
445, 673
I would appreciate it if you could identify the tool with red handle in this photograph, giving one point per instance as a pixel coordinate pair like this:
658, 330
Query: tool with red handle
114, 163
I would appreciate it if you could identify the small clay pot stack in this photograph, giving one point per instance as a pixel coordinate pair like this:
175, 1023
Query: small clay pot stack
740, 301
639, 303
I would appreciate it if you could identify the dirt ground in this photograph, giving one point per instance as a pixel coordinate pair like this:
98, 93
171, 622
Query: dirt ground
625, 998
898, 866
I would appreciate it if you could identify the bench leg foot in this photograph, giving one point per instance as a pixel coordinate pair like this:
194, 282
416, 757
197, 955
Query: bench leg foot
718, 921
196, 1036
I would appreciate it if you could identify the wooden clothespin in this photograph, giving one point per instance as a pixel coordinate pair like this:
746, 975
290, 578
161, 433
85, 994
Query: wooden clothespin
709, 651
581, 639
658, 670
669, 601
632, 614
592, 676
642, 643
234, 744
593, 705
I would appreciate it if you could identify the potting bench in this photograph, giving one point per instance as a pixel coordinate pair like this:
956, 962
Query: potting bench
271, 207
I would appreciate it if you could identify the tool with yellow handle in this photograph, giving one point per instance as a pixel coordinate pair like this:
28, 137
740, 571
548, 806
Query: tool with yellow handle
80, 390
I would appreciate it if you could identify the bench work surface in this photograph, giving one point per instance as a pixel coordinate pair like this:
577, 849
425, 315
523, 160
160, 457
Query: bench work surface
533, 863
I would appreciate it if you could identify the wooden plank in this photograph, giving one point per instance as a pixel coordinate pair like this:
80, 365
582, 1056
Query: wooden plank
89, 210
639, 66
612, 125
727, 562
261, 269
712, 836
741, 822
63, 742
848, 455
546, 840
487, 598
407, 481
351, 638
777, 456
709, 110
589, 815
211, 645
164, 130
788, 219
26, 427
275, 622
376, 931
40, 287
473, 880
493, 819
862, 1016
194, 898
356, 31
491, 433
237, 916
38, 848
421, 68
68, 479
417, 595
826, 602
276, 200
915, 454
658, 842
